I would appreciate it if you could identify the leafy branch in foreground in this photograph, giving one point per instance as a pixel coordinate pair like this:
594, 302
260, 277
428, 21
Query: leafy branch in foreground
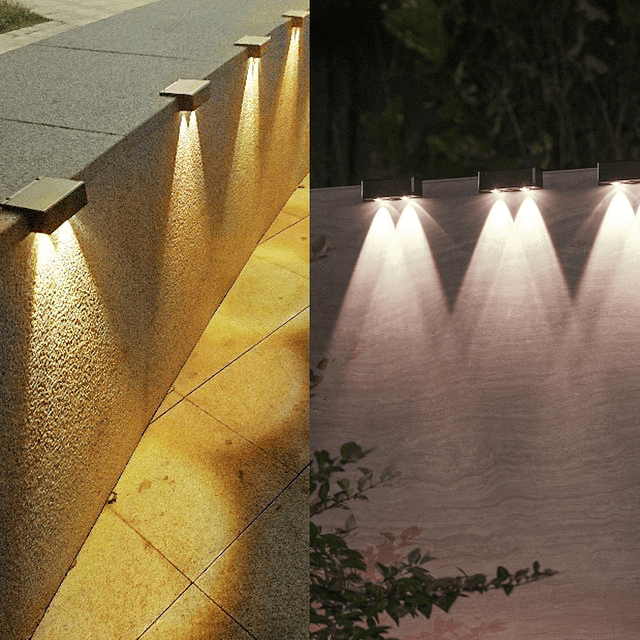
345, 605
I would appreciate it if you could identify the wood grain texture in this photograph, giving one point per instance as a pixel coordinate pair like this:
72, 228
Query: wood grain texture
492, 352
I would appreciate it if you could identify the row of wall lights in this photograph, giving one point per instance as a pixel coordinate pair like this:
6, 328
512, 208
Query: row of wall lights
619, 172
49, 202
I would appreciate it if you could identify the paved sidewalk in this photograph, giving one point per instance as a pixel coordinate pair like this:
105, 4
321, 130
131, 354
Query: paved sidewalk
63, 15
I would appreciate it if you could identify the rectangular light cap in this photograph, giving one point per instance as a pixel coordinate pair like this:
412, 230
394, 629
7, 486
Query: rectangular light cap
189, 94
296, 16
48, 202
510, 180
619, 172
254, 44
391, 189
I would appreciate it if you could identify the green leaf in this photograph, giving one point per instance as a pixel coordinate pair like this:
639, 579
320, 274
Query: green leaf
350, 451
414, 556
387, 471
502, 575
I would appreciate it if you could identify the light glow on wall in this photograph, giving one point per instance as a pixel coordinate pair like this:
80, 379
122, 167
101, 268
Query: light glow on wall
186, 225
285, 135
615, 233
245, 165
395, 298
72, 351
514, 289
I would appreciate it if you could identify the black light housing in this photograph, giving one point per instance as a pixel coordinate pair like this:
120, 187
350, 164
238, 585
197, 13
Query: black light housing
391, 189
189, 94
48, 202
619, 172
510, 180
254, 45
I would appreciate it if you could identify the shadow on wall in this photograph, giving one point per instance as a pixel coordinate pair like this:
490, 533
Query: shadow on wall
118, 297
18, 269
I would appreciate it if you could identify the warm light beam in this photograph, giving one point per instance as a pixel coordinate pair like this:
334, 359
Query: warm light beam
246, 162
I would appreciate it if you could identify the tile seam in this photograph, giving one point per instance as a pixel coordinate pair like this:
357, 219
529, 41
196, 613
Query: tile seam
204, 593
61, 126
125, 53
182, 573
252, 522
244, 353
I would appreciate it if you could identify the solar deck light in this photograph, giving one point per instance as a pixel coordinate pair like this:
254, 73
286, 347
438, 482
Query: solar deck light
620, 172
295, 16
510, 180
254, 44
48, 202
189, 94
391, 189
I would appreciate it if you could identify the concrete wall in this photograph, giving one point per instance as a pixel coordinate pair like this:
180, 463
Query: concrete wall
489, 346
98, 319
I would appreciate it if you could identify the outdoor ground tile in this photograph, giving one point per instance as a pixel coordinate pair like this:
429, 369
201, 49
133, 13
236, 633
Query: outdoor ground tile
193, 484
119, 583
193, 616
298, 203
264, 395
275, 548
263, 298
282, 222
170, 400
290, 249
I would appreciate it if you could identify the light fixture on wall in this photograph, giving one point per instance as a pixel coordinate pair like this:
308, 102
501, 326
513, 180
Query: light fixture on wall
296, 17
510, 180
48, 202
391, 189
619, 172
254, 44
189, 94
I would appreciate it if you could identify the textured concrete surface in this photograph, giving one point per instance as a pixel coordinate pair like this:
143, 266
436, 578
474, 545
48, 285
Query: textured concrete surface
189, 29
488, 346
63, 15
207, 487
99, 318
88, 90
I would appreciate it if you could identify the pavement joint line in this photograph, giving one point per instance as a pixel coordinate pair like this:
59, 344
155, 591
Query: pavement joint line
225, 611
289, 484
61, 126
244, 353
122, 53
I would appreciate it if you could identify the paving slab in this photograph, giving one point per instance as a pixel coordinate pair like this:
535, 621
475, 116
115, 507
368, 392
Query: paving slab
30, 150
186, 29
92, 91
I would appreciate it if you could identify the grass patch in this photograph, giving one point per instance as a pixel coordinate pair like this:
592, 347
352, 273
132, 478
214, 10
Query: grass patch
14, 16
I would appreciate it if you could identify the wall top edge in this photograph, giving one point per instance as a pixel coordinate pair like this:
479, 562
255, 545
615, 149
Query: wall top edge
93, 85
552, 179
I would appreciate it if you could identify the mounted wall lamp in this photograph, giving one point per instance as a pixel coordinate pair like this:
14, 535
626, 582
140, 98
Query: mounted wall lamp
48, 202
254, 44
296, 17
510, 180
620, 172
391, 189
189, 94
